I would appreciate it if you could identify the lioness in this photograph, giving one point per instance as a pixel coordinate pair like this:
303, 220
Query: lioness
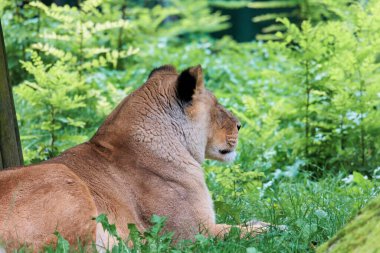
145, 159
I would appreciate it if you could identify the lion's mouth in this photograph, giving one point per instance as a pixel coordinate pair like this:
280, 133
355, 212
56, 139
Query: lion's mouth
225, 151
223, 155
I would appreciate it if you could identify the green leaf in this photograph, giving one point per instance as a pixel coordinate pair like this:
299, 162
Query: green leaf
63, 246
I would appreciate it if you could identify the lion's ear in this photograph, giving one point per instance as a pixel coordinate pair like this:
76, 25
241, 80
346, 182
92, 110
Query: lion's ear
189, 82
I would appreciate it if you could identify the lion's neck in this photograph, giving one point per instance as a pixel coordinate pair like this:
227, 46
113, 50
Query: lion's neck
158, 132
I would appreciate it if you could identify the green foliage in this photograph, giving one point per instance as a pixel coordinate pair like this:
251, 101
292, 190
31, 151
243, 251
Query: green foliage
360, 235
235, 182
312, 210
52, 99
337, 71
120, 245
151, 240
23, 23
229, 4
62, 246
297, 10
77, 35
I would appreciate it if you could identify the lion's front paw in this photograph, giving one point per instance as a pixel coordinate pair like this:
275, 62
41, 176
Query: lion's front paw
257, 227
257, 223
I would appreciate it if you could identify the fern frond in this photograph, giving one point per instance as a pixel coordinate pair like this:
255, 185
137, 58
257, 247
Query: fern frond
55, 36
62, 14
129, 52
274, 4
91, 52
229, 4
90, 5
100, 27
274, 28
50, 50
271, 16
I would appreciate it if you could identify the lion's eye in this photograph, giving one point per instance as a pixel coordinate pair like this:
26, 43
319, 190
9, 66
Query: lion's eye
238, 127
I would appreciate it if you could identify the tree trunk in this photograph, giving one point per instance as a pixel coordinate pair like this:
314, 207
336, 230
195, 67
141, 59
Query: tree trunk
360, 235
10, 146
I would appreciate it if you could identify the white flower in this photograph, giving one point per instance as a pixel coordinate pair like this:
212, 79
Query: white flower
348, 179
320, 213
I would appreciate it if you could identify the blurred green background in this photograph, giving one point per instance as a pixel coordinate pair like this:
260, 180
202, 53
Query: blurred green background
302, 76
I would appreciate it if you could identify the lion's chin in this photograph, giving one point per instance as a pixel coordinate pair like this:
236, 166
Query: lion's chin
222, 155
230, 157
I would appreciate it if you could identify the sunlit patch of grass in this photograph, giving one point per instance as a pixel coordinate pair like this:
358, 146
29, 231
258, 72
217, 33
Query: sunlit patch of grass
313, 211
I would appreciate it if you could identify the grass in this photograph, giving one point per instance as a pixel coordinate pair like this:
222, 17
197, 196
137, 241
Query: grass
313, 211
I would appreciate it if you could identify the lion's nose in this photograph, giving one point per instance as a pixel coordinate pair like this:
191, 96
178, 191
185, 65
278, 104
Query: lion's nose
238, 126
232, 140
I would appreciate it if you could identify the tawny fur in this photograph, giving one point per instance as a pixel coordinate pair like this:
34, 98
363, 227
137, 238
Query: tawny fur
145, 159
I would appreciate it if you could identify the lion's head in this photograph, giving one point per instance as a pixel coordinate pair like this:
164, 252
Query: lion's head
223, 134
170, 115
210, 118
